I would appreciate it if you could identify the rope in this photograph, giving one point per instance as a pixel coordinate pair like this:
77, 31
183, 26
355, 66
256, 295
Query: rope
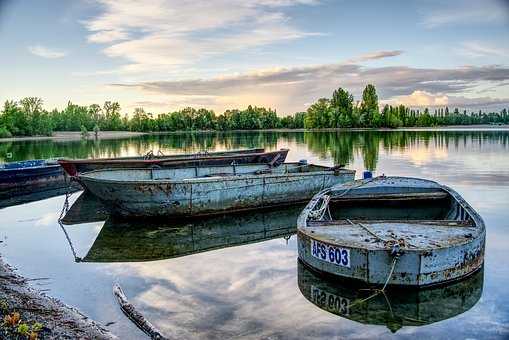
64, 210
394, 260
318, 214
367, 229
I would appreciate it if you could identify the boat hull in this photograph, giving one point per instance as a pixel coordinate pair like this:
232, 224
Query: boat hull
29, 180
76, 167
436, 253
206, 196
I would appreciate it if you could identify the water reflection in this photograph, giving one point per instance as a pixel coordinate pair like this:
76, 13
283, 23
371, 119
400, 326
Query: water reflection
35, 196
341, 146
396, 307
252, 290
133, 241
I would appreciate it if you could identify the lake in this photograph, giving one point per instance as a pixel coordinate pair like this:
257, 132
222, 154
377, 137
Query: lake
238, 276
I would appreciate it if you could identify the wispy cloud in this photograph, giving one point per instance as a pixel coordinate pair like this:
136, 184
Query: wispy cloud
46, 52
290, 88
477, 49
376, 55
467, 13
162, 35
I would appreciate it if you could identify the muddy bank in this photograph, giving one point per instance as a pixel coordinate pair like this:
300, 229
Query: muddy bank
45, 316
76, 135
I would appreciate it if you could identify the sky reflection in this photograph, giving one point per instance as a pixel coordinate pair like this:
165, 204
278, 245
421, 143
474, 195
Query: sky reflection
251, 289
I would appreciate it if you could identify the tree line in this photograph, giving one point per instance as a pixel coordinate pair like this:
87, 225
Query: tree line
340, 111
27, 117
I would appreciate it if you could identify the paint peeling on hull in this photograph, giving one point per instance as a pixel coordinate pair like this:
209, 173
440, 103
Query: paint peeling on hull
432, 245
213, 191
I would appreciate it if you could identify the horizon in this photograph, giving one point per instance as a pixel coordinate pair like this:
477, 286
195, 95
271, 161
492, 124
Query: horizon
278, 54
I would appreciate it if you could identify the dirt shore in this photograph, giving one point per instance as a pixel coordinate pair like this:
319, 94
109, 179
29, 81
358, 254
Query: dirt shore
50, 317
75, 135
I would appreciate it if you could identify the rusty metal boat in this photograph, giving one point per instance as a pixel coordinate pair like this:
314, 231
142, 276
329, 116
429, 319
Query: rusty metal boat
74, 167
30, 177
392, 231
194, 190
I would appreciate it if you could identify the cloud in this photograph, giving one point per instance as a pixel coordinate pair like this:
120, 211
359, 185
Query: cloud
476, 49
288, 89
46, 52
164, 35
376, 55
425, 99
467, 13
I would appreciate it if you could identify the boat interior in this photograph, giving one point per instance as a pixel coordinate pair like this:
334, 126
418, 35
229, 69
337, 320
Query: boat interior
425, 219
188, 173
159, 155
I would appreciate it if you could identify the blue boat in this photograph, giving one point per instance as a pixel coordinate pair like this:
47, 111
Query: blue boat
25, 177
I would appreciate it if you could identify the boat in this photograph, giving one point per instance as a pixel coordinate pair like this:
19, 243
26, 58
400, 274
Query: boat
74, 167
29, 177
392, 231
195, 191
121, 240
395, 308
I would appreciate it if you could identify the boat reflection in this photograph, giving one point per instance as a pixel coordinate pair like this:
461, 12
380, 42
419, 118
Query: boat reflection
132, 241
86, 209
49, 192
395, 307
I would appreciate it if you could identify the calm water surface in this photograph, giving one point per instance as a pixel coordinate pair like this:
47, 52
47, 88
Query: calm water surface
231, 277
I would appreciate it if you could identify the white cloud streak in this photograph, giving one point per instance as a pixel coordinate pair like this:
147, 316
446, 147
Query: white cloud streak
376, 55
46, 52
477, 49
164, 34
467, 13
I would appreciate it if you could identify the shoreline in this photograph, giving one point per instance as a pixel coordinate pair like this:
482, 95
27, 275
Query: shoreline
58, 320
68, 136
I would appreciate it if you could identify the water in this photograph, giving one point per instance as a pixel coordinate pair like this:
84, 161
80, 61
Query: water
238, 276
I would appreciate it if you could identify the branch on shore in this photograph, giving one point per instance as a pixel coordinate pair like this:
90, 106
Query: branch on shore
135, 316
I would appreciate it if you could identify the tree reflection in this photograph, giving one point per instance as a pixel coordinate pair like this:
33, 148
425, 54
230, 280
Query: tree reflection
340, 146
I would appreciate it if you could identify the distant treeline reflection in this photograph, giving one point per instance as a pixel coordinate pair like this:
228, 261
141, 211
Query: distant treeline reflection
340, 146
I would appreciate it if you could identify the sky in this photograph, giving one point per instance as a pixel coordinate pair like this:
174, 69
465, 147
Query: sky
164, 55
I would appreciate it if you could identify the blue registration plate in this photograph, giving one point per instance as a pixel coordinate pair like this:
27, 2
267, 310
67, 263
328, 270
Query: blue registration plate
332, 254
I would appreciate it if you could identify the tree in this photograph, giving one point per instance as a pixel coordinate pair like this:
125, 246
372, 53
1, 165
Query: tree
369, 105
318, 115
112, 116
342, 105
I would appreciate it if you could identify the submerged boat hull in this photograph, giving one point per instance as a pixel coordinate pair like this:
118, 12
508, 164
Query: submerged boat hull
74, 167
432, 252
210, 195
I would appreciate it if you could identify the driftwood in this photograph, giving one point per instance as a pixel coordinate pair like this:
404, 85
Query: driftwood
135, 316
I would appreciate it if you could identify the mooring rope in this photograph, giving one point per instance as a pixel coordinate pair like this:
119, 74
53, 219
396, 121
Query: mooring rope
64, 210
394, 260
367, 229
319, 213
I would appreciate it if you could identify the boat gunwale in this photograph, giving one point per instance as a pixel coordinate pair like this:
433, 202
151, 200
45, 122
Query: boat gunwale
476, 218
46, 165
324, 171
175, 157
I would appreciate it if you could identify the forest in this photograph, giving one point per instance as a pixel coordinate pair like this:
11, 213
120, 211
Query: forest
28, 117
